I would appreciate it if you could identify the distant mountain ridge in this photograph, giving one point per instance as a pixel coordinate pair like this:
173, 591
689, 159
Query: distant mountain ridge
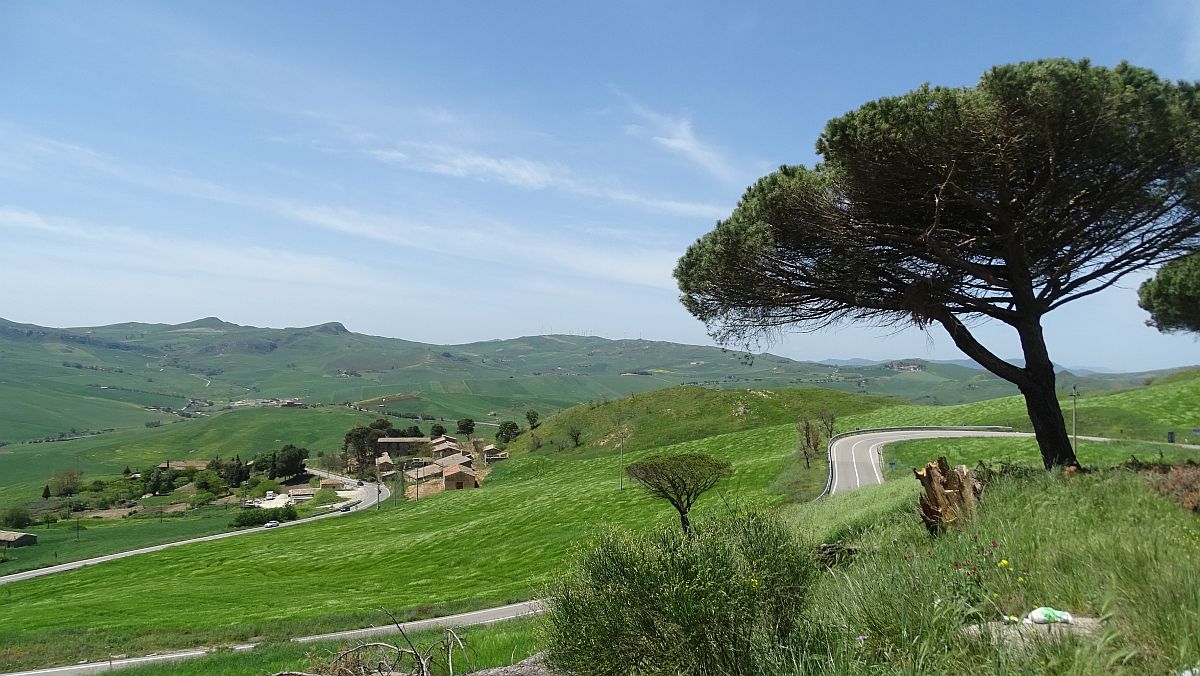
59, 381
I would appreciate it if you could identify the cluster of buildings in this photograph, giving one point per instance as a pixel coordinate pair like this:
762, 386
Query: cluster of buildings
447, 460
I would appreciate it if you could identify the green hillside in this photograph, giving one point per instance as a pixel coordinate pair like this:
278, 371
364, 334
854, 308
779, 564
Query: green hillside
499, 543
684, 413
463, 549
90, 379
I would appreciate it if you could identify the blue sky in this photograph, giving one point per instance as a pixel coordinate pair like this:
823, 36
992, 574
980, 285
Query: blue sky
450, 172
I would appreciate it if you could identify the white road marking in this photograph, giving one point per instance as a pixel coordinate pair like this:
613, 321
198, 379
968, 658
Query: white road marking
877, 460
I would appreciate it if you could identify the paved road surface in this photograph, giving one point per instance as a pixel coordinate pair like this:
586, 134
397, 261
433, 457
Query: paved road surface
856, 461
368, 495
461, 620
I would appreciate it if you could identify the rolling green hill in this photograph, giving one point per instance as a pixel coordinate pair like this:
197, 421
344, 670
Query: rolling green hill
677, 414
57, 383
461, 549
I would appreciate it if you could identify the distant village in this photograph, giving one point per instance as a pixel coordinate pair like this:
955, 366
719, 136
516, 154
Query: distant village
441, 461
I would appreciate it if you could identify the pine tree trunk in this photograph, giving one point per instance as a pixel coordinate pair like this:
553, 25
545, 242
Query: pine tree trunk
1041, 400
1036, 381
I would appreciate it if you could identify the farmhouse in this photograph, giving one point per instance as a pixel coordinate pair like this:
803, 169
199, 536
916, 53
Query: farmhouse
384, 463
14, 539
457, 477
443, 437
493, 454
424, 472
446, 448
456, 459
331, 483
181, 465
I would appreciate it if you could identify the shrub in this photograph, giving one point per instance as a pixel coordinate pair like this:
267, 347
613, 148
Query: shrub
257, 517
718, 601
201, 498
1182, 482
16, 517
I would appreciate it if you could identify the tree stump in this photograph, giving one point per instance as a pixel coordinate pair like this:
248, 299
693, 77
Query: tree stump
951, 495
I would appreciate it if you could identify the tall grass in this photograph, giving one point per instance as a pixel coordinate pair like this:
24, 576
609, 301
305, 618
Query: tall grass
1100, 545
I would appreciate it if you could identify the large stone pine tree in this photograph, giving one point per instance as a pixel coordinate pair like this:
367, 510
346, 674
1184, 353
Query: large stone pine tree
1046, 182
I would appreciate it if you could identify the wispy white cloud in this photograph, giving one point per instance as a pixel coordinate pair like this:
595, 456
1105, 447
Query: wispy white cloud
485, 239
525, 173
677, 135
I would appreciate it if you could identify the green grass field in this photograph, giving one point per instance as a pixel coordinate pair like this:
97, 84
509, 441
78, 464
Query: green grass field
61, 542
461, 549
1146, 413
914, 454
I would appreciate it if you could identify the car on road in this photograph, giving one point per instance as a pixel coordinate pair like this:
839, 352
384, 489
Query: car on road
360, 483
271, 524
344, 508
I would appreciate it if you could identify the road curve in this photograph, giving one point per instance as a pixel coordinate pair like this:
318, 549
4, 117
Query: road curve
474, 617
855, 459
368, 495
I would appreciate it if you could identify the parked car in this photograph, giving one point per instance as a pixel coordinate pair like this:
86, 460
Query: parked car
271, 524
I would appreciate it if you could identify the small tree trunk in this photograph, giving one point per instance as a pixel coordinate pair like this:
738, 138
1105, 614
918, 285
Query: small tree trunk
951, 495
683, 521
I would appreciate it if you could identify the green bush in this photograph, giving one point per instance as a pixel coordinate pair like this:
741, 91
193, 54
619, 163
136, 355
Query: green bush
720, 601
257, 517
15, 517
200, 499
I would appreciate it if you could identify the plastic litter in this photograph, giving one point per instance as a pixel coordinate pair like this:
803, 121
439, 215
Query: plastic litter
1045, 615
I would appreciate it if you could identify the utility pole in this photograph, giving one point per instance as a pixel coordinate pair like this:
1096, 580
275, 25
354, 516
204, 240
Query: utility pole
1074, 428
621, 448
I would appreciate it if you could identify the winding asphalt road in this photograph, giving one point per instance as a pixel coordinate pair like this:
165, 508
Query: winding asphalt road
855, 460
368, 495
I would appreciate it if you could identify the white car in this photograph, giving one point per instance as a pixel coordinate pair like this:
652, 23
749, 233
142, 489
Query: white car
271, 524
